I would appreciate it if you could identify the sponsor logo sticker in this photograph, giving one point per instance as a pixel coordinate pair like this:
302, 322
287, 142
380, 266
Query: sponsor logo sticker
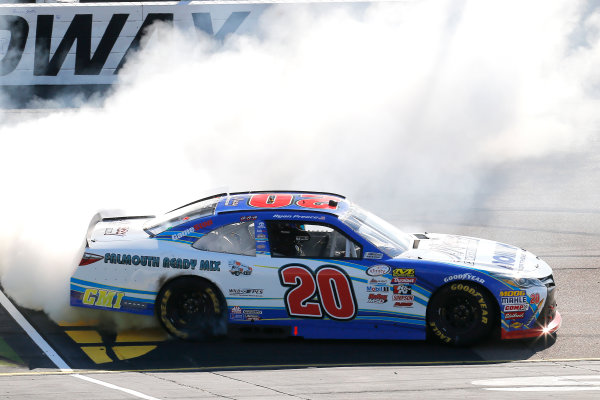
378, 289
369, 255
514, 315
403, 304
410, 272
377, 298
378, 270
379, 281
400, 281
403, 297
516, 307
246, 292
402, 289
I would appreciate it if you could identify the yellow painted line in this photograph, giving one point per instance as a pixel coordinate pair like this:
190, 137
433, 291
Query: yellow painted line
127, 352
299, 366
85, 336
97, 354
66, 324
143, 335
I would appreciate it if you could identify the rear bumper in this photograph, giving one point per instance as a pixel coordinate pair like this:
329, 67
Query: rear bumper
534, 332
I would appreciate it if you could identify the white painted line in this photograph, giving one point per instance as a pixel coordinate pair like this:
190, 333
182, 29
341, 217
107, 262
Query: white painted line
30, 330
52, 355
564, 383
110, 385
546, 389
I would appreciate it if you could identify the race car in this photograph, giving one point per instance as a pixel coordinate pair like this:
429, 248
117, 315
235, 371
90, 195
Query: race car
313, 265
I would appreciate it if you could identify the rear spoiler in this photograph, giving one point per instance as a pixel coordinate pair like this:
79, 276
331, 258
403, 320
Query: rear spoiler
103, 216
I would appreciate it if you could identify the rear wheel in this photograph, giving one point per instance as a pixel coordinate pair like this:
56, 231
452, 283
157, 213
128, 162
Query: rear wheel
461, 313
192, 309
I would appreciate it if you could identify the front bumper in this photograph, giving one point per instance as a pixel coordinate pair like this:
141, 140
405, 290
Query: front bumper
547, 322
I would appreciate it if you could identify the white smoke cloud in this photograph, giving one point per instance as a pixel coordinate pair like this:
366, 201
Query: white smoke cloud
404, 106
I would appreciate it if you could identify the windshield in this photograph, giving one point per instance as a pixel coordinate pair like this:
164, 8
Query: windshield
383, 235
176, 217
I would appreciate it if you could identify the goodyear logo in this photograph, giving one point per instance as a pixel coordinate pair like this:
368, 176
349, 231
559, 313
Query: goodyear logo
512, 293
103, 298
404, 272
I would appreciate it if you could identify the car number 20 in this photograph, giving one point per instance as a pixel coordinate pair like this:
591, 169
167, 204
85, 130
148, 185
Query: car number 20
335, 294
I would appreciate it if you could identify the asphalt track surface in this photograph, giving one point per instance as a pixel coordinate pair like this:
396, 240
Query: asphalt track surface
548, 206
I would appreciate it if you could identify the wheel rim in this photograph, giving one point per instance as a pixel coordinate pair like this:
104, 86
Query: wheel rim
461, 313
190, 309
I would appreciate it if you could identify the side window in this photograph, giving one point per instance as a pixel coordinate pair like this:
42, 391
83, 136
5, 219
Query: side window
310, 240
237, 238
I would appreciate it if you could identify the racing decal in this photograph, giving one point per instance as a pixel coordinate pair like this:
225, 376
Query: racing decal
102, 298
378, 270
246, 292
119, 231
265, 200
514, 315
128, 259
278, 200
464, 277
262, 244
167, 262
410, 272
377, 298
378, 289
370, 255
403, 280
504, 255
402, 289
312, 294
237, 268
534, 298
237, 313
379, 281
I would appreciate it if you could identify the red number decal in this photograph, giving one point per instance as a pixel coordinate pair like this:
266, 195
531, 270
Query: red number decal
303, 288
317, 201
270, 200
336, 297
335, 293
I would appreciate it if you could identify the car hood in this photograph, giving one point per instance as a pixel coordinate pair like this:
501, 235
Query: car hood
119, 229
478, 253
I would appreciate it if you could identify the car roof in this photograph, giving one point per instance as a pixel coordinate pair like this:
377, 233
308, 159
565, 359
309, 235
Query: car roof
297, 201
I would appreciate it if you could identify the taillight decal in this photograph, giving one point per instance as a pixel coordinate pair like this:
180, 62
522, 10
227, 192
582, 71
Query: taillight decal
89, 258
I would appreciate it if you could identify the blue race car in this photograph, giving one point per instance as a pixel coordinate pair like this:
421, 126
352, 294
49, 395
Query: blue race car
313, 265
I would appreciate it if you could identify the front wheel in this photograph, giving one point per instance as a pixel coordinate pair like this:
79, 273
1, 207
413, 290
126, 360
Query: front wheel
192, 309
461, 313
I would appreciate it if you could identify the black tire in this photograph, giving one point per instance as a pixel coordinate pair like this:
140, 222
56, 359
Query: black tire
461, 313
192, 309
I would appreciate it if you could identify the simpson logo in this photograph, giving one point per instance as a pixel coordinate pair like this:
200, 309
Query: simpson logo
516, 307
378, 289
404, 272
402, 289
514, 315
400, 281
403, 297
377, 298
378, 270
